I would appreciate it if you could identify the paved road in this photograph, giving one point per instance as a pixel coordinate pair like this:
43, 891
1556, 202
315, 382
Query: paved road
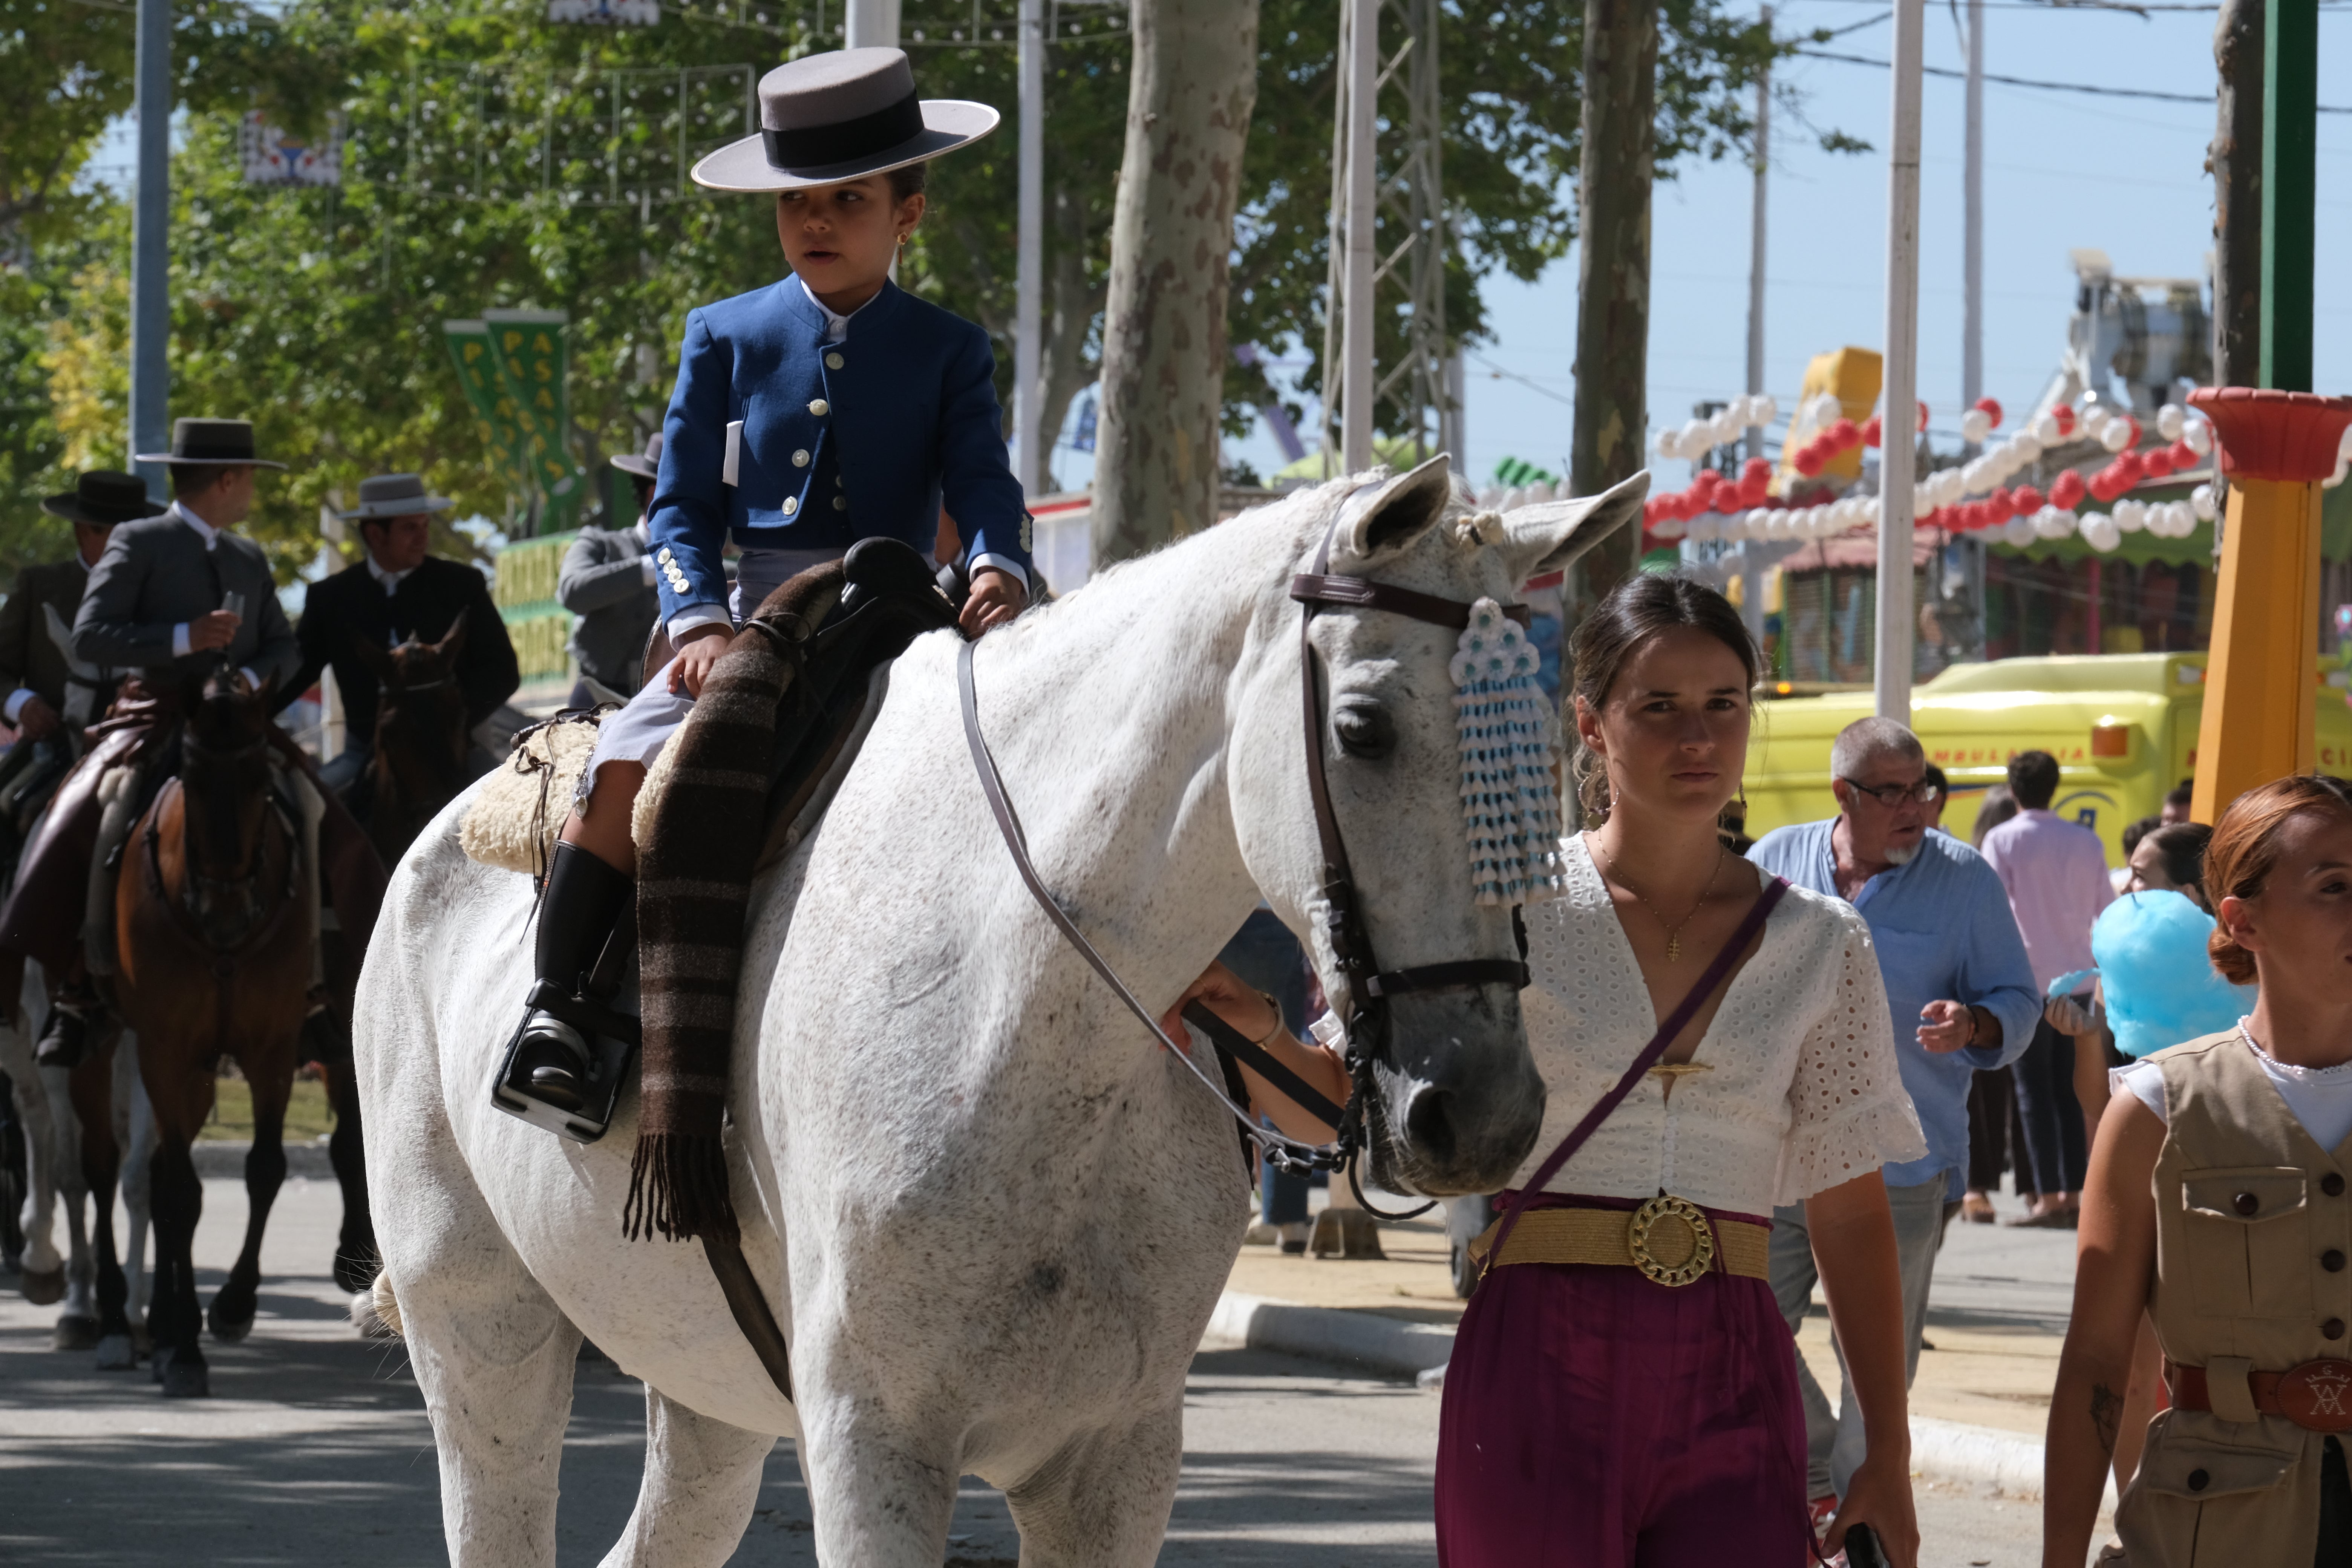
315, 1450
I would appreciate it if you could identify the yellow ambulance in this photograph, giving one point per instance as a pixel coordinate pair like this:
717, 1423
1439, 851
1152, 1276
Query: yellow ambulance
2122, 726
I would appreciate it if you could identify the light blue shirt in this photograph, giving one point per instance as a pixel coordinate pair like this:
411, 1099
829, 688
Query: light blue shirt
1944, 933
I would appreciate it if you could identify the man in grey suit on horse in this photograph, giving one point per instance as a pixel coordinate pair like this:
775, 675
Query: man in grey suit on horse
607, 583
171, 598
182, 591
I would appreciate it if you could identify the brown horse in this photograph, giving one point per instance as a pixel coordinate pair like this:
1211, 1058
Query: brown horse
215, 956
421, 738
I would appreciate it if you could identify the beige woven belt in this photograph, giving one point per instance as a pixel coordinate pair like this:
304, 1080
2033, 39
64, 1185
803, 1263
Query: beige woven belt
1669, 1239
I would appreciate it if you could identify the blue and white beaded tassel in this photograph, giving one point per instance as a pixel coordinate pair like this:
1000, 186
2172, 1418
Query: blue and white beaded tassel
1510, 740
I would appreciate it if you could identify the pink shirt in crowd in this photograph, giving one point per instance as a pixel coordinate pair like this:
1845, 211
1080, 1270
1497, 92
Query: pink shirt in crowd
2056, 874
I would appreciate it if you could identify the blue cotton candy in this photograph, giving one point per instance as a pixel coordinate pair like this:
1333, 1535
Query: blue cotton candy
2161, 987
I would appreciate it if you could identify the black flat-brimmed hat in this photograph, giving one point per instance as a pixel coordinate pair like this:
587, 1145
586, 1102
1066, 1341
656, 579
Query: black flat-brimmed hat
224, 442
395, 495
104, 498
841, 116
645, 467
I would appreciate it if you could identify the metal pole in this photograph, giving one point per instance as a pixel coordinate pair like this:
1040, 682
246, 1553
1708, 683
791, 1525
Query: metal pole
2290, 121
151, 254
1028, 397
1972, 218
1900, 445
1756, 246
871, 23
1356, 331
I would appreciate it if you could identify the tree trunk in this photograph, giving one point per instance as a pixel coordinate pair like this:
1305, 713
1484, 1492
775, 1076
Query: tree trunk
2235, 159
1612, 309
1194, 83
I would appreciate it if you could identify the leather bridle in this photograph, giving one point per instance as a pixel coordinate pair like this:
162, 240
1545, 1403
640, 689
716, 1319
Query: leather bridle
1364, 1010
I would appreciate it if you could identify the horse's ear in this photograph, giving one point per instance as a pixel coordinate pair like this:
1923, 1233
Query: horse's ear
375, 657
1380, 521
1549, 536
450, 646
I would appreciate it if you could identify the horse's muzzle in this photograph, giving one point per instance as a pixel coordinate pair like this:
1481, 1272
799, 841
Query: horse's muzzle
1460, 1101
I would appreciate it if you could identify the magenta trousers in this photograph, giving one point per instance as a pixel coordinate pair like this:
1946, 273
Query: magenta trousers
1595, 1419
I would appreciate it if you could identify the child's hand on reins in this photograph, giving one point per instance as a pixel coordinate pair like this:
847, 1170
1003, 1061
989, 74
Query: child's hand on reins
996, 598
692, 666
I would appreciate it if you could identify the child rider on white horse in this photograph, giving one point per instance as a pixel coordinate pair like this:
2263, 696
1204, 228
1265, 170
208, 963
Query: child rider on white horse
822, 409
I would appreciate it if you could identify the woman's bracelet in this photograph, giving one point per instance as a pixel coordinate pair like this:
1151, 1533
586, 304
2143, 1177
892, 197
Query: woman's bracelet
1267, 1039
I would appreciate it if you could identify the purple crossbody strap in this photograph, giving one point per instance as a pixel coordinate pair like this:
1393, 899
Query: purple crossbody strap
1708, 984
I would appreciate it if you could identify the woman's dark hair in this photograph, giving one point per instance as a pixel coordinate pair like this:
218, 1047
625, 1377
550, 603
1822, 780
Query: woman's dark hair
1636, 610
1997, 807
908, 180
2135, 831
2244, 849
2181, 848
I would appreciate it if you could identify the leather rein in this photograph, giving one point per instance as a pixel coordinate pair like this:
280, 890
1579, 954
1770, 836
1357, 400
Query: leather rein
1364, 1010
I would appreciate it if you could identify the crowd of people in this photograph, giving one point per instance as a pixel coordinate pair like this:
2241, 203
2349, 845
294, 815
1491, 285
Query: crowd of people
1852, 1032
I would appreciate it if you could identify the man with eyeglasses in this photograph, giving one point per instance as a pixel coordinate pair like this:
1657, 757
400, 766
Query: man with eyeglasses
1963, 998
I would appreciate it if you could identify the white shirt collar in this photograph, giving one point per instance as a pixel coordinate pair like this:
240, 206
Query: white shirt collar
390, 580
836, 326
205, 530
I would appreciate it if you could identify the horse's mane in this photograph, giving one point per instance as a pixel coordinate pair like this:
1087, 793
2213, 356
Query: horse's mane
1291, 521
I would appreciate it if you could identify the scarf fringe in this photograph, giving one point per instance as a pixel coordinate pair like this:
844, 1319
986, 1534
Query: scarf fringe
678, 1190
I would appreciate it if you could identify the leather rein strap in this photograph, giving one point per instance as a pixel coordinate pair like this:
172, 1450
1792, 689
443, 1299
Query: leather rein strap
1677, 1021
1008, 823
1365, 1007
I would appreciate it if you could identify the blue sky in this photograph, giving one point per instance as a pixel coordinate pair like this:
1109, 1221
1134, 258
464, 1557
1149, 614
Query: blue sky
2062, 171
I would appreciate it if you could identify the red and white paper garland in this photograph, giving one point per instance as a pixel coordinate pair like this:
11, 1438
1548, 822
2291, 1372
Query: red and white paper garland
1970, 498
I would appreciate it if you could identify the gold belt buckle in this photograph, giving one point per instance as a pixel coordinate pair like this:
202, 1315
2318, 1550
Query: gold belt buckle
1678, 1265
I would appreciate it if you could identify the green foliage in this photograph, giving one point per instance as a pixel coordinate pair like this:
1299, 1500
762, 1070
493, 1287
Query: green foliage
496, 161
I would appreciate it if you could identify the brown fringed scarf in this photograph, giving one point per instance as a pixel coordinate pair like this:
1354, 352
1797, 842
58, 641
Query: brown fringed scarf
693, 884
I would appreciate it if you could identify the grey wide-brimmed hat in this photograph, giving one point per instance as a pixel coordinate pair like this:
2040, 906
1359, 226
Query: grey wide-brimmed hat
104, 498
840, 115
395, 495
645, 467
222, 442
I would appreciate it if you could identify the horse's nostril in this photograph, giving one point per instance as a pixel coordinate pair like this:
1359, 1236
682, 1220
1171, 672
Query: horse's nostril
1429, 1126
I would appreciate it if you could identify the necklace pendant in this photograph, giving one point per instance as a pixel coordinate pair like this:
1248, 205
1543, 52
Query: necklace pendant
1673, 949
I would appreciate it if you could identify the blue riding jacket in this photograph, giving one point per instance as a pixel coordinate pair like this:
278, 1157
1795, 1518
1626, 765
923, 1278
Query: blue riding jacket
867, 437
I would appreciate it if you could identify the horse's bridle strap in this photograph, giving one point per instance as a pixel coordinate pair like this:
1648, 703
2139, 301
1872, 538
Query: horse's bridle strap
1458, 975
1362, 593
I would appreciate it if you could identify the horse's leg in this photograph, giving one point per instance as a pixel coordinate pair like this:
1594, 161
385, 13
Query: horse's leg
107, 1330
494, 1356
264, 1172
883, 1495
138, 1158
1103, 1501
177, 1320
43, 1280
356, 1260
701, 1478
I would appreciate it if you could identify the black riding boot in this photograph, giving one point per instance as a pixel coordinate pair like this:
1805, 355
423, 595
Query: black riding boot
65, 1037
583, 903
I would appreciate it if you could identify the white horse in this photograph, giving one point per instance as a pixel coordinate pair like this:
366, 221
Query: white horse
55, 1178
991, 1218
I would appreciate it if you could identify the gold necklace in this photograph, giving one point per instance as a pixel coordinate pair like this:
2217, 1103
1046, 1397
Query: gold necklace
1674, 929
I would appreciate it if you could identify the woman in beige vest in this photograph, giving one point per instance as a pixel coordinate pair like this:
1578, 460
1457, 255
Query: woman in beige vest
2218, 1203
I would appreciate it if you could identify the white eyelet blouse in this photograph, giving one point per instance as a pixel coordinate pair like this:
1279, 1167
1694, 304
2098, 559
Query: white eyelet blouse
1802, 1092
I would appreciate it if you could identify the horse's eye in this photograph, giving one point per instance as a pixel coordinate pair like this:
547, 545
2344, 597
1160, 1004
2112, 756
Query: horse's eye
1364, 731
